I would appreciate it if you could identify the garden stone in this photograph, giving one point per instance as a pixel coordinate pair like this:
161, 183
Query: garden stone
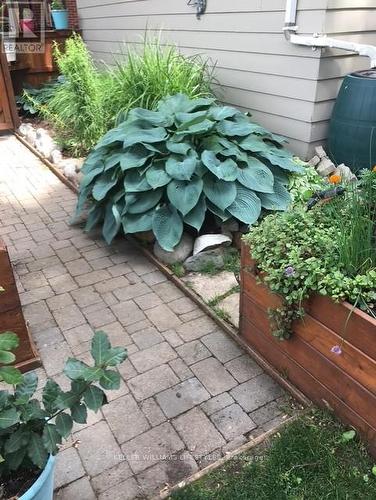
314, 161
325, 167
56, 157
320, 151
214, 258
209, 241
210, 287
345, 173
31, 136
25, 129
231, 306
180, 252
70, 170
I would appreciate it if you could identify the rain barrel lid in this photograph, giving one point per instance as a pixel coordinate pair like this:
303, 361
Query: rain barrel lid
366, 73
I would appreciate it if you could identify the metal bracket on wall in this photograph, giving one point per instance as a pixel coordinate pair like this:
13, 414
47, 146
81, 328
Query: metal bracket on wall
200, 7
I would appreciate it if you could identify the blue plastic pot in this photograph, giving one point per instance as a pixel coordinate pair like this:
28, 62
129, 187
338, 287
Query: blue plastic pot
43, 488
60, 18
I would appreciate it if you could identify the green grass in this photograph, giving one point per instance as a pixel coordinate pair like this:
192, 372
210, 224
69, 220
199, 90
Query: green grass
309, 460
178, 269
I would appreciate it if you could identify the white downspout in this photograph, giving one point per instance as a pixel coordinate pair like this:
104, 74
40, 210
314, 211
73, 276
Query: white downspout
321, 40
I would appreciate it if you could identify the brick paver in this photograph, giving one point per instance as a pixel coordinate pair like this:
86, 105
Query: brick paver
187, 389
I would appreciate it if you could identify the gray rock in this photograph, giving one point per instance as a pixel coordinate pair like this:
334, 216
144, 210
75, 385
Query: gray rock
70, 170
31, 136
199, 261
56, 156
314, 161
345, 173
231, 306
321, 152
25, 129
44, 143
180, 253
325, 167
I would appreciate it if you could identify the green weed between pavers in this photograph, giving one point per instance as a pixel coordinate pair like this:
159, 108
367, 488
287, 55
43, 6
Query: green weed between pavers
313, 458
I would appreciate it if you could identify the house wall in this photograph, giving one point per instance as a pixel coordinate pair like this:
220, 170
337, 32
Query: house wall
287, 88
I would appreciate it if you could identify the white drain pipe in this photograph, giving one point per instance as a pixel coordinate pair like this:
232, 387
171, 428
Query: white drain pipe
319, 40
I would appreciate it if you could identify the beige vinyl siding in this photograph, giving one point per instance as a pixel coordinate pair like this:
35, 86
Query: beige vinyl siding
352, 20
287, 88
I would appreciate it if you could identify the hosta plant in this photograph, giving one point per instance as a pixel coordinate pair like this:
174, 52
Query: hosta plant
33, 428
158, 170
8, 342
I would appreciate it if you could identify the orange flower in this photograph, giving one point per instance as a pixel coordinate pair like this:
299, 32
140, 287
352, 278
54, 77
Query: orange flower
374, 169
335, 179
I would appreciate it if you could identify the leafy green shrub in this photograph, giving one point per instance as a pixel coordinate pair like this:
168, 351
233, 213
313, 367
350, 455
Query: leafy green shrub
33, 100
8, 342
162, 169
300, 254
31, 430
303, 185
141, 78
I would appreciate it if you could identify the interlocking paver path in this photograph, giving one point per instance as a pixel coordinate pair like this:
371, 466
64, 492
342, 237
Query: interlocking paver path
189, 393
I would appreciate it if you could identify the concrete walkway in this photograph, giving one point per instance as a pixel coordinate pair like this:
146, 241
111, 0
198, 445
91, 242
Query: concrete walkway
189, 393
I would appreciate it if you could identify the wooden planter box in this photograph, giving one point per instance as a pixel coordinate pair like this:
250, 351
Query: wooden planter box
11, 316
345, 383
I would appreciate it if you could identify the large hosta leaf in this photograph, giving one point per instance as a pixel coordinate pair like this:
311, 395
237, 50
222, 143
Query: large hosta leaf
91, 175
281, 158
279, 200
201, 127
247, 205
196, 216
156, 175
104, 184
167, 227
156, 118
141, 131
253, 144
184, 195
94, 217
138, 222
113, 136
145, 201
112, 222
226, 170
220, 113
256, 176
231, 128
223, 215
179, 103
180, 148
135, 182
180, 168
134, 157
219, 192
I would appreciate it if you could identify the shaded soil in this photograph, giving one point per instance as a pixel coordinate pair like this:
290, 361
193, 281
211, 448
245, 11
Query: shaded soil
18, 484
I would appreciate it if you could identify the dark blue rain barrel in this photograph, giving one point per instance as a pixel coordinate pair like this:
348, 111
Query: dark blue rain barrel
352, 134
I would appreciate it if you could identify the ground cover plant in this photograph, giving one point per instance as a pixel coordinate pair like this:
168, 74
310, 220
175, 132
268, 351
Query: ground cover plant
160, 170
90, 99
30, 430
312, 458
329, 250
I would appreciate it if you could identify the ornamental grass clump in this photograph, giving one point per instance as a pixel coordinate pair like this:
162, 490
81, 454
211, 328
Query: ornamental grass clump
31, 430
160, 170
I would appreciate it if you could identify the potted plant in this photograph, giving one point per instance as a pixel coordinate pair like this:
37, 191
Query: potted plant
31, 431
59, 15
308, 300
